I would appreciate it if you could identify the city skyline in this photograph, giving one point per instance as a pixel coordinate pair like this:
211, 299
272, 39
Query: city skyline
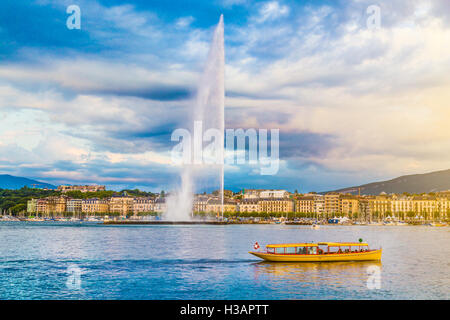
97, 105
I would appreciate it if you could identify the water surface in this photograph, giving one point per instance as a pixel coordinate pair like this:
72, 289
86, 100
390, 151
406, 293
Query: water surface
211, 262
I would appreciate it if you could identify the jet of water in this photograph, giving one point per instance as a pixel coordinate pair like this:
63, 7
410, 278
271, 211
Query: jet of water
209, 110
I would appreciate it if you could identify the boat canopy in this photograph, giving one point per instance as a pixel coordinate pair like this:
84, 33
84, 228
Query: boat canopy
288, 245
343, 244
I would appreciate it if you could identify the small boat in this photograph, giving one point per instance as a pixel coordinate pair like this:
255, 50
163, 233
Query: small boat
437, 224
315, 226
319, 252
373, 223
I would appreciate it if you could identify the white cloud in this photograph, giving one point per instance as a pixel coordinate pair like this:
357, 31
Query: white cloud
184, 22
271, 11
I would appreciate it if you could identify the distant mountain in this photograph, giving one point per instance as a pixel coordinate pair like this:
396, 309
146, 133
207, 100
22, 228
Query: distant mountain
11, 182
414, 183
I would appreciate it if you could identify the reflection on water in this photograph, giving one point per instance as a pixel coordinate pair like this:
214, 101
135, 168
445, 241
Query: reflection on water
325, 273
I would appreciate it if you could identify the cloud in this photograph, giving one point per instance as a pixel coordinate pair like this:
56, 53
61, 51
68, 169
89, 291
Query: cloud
271, 11
184, 22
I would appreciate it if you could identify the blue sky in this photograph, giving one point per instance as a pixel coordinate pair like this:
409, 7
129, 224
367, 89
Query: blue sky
98, 105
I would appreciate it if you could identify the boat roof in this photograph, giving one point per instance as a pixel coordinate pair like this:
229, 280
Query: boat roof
342, 244
285, 245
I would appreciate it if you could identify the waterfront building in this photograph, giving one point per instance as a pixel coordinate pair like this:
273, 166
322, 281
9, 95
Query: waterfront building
160, 205
251, 193
401, 206
426, 206
349, 205
74, 206
248, 205
214, 205
381, 206
143, 204
32, 206
305, 204
332, 203
229, 206
94, 205
365, 208
443, 204
273, 194
86, 188
276, 205
121, 204
200, 203
41, 206
55, 205
319, 204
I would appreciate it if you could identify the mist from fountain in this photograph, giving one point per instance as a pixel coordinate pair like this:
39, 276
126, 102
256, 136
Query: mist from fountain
209, 110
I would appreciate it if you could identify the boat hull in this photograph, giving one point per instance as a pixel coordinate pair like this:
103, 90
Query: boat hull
374, 255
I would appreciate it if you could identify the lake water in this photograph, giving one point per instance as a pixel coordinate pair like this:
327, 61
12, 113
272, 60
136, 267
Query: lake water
86, 261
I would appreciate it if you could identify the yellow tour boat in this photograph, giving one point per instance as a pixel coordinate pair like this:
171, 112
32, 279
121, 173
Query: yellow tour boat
318, 252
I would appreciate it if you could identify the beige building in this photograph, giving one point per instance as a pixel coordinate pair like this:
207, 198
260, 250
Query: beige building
251, 193
332, 203
122, 205
160, 205
365, 208
401, 205
319, 204
276, 205
200, 203
41, 206
94, 205
381, 206
426, 206
214, 205
143, 204
55, 205
349, 205
274, 194
248, 205
305, 204
74, 206
32, 206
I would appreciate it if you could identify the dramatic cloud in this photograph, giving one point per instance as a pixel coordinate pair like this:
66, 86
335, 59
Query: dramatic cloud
99, 104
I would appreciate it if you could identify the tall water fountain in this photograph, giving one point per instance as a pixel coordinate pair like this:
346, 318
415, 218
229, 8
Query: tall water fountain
208, 110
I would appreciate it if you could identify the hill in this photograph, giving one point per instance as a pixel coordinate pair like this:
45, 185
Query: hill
11, 182
414, 183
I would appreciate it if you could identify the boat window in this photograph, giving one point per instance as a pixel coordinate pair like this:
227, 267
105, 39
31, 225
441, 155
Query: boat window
312, 250
334, 249
279, 250
271, 250
290, 250
301, 250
